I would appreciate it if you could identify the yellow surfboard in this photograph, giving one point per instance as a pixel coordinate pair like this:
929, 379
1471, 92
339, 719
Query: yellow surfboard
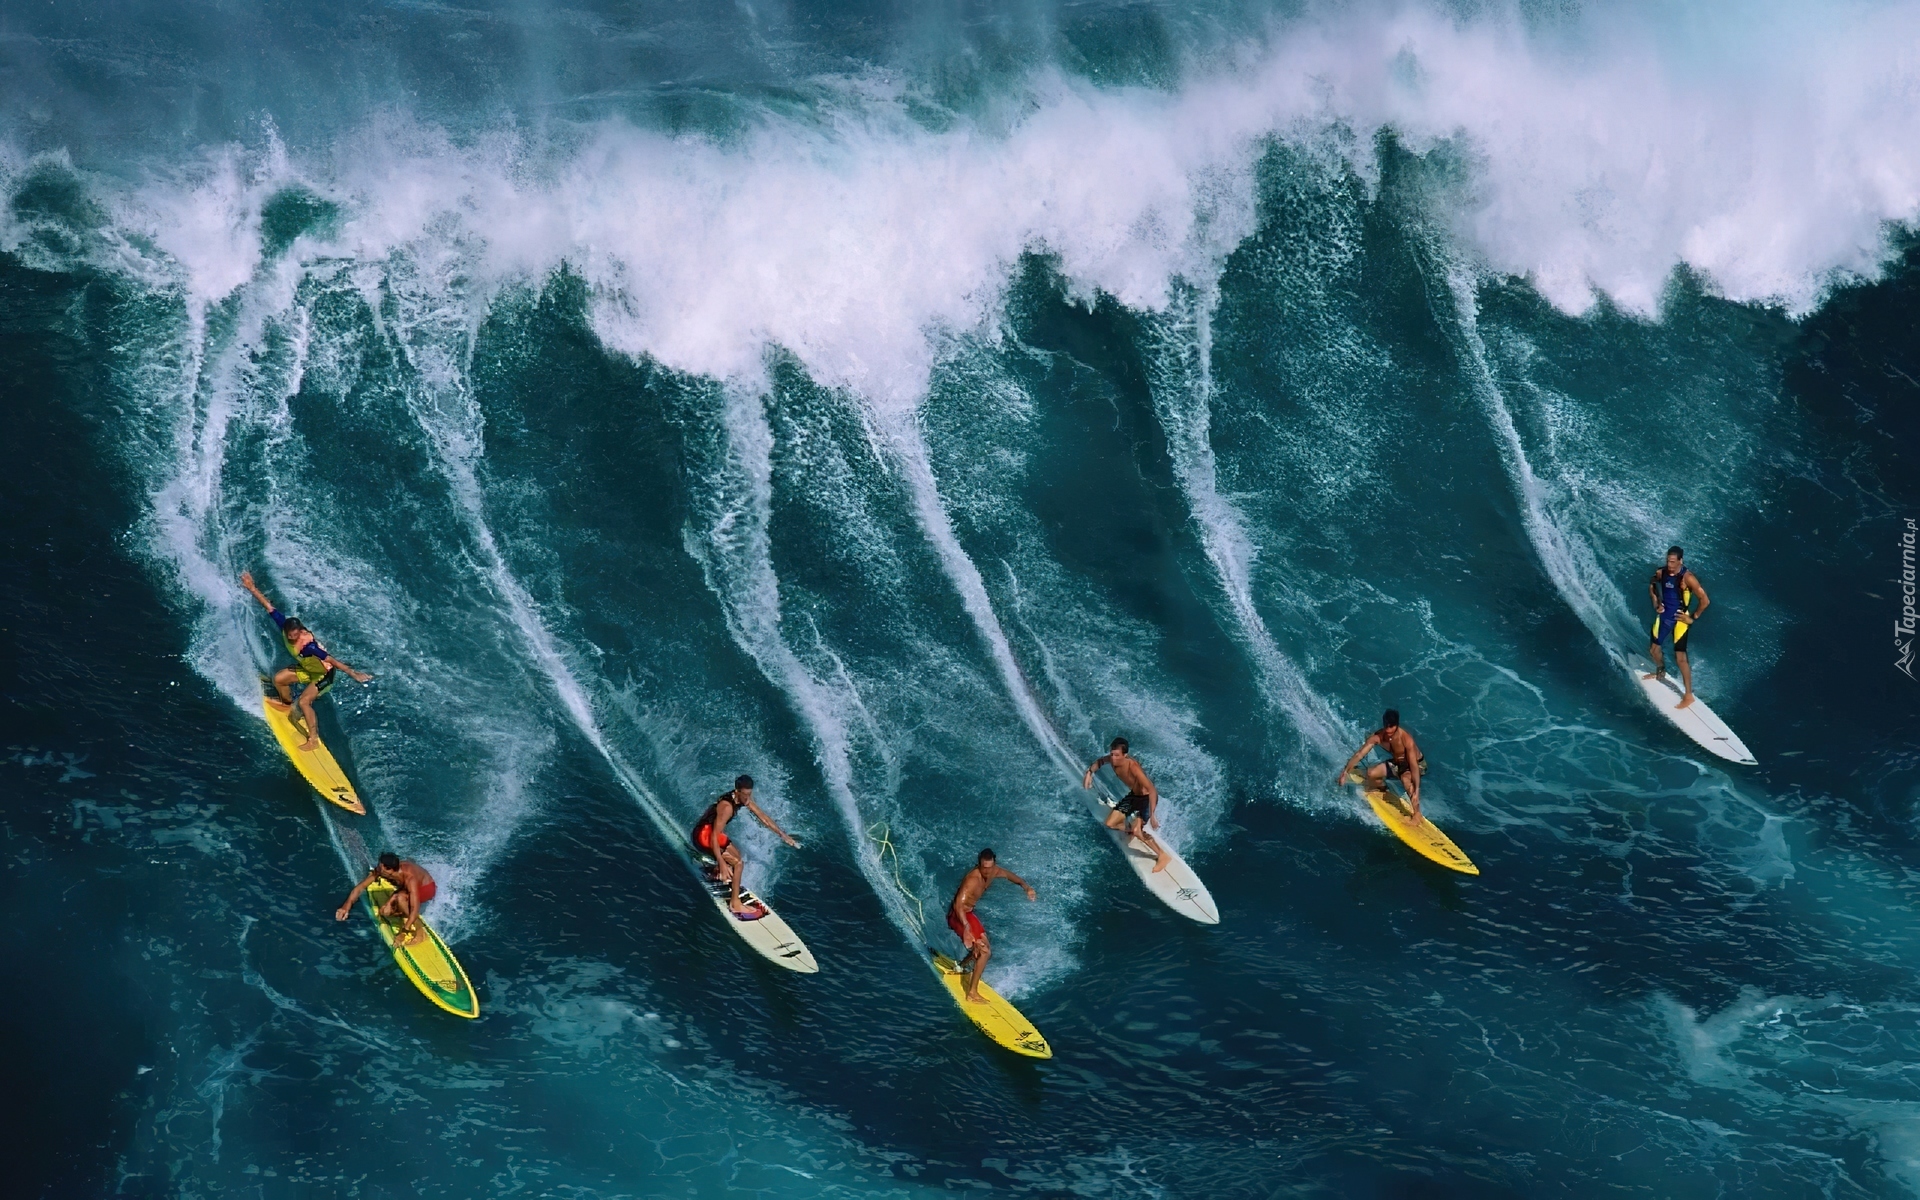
317, 765
1423, 835
996, 1018
428, 962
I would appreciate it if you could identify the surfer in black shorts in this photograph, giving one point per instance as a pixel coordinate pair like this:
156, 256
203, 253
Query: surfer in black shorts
1672, 590
710, 835
1137, 810
1402, 752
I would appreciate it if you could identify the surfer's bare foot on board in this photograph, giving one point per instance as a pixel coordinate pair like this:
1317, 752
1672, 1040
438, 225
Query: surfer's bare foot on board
976, 998
1160, 864
1685, 700
1655, 675
310, 743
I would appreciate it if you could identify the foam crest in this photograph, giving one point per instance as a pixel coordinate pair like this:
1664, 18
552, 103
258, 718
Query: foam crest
1600, 154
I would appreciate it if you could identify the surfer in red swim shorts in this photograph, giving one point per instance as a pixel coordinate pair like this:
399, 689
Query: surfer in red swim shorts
412, 888
710, 836
962, 920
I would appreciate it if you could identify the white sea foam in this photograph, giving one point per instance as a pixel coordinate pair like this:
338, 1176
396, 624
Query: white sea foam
1181, 381
1602, 155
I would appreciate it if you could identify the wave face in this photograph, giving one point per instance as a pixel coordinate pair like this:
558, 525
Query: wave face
897, 405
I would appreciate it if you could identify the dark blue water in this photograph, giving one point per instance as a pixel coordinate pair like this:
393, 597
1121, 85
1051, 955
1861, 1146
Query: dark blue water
895, 403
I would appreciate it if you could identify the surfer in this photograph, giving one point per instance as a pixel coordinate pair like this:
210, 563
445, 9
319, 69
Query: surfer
710, 834
1136, 811
412, 888
964, 921
1404, 760
1672, 590
312, 666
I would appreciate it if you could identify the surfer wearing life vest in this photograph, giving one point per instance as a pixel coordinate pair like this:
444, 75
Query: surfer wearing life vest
1672, 590
964, 921
312, 667
710, 835
1404, 760
1136, 811
412, 888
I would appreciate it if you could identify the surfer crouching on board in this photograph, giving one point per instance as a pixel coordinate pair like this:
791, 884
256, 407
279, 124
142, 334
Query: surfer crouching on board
312, 666
1136, 811
1402, 752
412, 888
963, 921
710, 835
1672, 590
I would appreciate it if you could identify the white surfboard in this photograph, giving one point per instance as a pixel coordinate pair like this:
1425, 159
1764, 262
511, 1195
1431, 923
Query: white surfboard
1696, 720
1177, 886
772, 937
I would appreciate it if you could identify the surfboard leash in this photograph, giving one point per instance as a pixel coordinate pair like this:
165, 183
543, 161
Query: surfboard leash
882, 836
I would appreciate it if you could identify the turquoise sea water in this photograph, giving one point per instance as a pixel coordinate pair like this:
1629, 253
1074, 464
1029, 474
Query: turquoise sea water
875, 399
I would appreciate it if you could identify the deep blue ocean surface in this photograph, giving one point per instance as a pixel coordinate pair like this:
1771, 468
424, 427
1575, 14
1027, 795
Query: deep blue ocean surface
896, 402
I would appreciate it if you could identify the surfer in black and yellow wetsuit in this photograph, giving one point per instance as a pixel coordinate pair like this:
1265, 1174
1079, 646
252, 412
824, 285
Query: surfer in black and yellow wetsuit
1672, 590
710, 835
1404, 761
412, 888
313, 668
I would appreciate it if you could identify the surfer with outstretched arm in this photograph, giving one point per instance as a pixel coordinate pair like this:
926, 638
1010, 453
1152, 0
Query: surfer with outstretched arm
1137, 810
1672, 590
1404, 760
964, 921
312, 667
710, 834
412, 888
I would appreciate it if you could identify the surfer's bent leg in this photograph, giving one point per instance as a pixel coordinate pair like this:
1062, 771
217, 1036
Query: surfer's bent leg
736, 864
979, 953
1680, 648
1160, 856
283, 684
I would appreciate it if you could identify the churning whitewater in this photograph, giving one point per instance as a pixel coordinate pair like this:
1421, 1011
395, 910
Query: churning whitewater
896, 407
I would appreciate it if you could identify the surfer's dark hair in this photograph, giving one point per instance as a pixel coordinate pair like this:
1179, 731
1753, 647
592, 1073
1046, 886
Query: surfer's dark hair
988, 855
294, 624
743, 781
1676, 552
390, 861
1391, 718
1118, 744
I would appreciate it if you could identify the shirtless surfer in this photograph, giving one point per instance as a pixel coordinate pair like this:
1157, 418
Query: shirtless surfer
312, 666
964, 921
1136, 811
1402, 752
1672, 590
412, 888
710, 835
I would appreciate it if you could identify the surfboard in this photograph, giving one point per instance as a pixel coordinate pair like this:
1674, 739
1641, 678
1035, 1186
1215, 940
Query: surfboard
1696, 720
1177, 886
996, 1018
770, 935
428, 962
316, 765
1418, 832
